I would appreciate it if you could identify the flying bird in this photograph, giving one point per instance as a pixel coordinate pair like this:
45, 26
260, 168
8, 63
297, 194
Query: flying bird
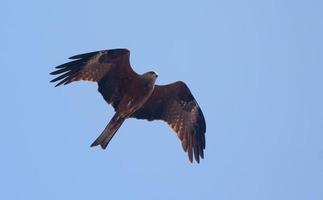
137, 96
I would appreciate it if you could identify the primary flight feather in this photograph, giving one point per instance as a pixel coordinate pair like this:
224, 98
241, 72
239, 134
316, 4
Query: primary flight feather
137, 96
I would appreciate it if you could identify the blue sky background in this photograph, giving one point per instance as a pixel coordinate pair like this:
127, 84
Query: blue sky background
255, 68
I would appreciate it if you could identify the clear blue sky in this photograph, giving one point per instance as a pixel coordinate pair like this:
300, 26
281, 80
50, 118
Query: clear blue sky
255, 68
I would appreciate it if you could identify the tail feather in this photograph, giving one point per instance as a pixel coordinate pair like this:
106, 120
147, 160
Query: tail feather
109, 131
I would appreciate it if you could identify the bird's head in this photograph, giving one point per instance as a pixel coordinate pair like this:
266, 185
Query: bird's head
151, 75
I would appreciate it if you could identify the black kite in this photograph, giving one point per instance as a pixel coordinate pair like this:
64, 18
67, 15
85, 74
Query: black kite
137, 96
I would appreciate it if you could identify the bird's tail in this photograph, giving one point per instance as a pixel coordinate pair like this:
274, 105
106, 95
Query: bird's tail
109, 131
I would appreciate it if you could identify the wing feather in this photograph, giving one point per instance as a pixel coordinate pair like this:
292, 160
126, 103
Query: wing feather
175, 104
109, 68
88, 68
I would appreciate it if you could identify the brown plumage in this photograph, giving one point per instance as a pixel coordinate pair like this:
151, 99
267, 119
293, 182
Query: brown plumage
137, 96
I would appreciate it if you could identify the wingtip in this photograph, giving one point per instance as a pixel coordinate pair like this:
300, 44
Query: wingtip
197, 159
52, 81
190, 159
58, 84
72, 58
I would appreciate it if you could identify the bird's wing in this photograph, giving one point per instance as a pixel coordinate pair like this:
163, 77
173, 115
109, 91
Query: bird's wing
93, 66
175, 104
110, 68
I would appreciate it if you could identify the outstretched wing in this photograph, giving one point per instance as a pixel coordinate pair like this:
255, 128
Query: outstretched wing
93, 66
110, 68
175, 104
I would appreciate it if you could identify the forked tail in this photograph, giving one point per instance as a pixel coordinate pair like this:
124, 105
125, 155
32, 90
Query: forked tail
109, 131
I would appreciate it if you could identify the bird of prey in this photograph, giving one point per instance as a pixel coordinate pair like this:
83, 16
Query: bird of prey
137, 96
